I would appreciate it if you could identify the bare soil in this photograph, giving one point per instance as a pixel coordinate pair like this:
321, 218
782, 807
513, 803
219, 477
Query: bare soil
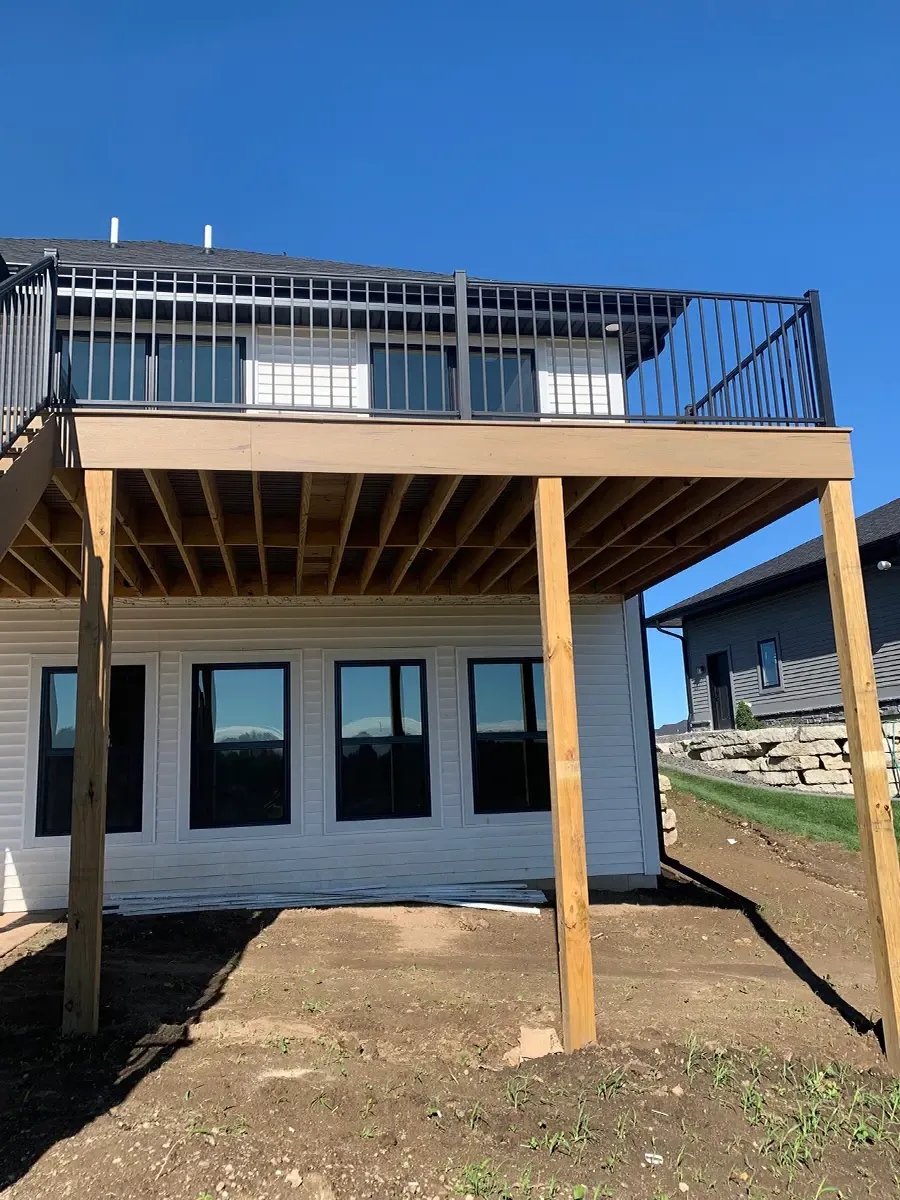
276, 1055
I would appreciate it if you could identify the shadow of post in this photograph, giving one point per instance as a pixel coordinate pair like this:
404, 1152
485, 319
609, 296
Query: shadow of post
820, 987
160, 974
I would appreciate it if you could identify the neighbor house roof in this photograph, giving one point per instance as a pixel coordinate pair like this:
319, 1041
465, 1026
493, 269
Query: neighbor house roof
806, 561
78, 251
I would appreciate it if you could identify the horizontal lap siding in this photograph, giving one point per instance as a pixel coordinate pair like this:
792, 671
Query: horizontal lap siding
324, 374
454, 851
579, 381
800, 619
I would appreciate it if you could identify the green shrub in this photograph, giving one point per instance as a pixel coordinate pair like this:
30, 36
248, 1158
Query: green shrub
744, 718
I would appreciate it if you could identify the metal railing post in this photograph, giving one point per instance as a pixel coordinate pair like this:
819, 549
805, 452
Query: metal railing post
463, 382
820, 358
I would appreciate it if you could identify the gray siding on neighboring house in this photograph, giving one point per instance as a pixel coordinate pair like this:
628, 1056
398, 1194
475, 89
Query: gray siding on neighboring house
799, 618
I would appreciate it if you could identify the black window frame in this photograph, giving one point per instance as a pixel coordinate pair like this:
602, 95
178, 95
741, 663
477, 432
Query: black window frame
449, 376
476, 354
239, 348
46, 752
102, 336
284, 743
768, 687
391, 739
533, 734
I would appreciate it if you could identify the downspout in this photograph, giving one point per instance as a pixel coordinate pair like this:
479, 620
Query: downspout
663, 856
679, 637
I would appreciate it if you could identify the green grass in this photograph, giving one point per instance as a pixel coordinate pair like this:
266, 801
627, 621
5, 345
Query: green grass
821, 818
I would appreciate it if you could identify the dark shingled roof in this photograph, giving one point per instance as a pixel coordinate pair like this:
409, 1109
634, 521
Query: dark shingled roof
806, 561
77, 251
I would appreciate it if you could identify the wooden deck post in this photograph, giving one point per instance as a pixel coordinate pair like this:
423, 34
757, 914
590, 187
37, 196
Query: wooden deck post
576, 976
870, 786
82, 981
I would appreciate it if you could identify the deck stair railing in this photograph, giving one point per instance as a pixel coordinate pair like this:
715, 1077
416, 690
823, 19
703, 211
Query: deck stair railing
27, 325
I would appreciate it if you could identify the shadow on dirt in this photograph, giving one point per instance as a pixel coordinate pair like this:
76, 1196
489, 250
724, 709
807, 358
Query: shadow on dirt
160, 974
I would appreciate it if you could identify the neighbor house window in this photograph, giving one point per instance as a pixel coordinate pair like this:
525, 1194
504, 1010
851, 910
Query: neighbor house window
84, 375
194, 371
502, 383
411, 378
768, 664
239, 746
509, 735
56, 752
382, 744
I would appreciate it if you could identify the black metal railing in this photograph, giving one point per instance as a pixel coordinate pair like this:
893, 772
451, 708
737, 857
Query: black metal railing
27, 315
437, 348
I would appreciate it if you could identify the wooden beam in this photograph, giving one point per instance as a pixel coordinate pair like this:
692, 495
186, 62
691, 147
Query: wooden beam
864, 736
47, 569
81, 1001
576, 976
476, 509
24, 475
217, 516
240, 442
302, 527
256, 488
747, 517
16, 576
351, 498
161, 486
513, 513
389, 512
438, 501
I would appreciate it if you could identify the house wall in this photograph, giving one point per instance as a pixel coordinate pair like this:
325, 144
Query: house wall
799, 618
313, 851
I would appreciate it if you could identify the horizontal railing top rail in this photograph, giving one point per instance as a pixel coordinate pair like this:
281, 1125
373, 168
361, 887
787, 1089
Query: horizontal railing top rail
438, 346
28, 302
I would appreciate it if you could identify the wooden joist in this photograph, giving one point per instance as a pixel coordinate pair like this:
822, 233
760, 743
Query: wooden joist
440, 497
390, 510
217, 516
351, 499
302, 526
256, 488
162, 489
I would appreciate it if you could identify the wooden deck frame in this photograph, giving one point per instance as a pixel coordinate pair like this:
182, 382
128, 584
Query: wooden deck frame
81, 997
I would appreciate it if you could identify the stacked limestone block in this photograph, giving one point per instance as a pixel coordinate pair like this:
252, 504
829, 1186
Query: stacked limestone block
669, 820
804, 758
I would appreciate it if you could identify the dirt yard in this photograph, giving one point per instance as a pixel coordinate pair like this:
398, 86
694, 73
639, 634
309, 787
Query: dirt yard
360, 1053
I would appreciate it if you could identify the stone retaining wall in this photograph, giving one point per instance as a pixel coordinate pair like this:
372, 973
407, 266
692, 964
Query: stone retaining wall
669, 819
804, 758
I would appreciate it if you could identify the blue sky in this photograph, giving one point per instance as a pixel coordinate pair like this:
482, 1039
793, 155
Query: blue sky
704, 144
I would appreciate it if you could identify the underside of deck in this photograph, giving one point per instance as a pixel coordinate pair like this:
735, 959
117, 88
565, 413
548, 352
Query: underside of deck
207, 506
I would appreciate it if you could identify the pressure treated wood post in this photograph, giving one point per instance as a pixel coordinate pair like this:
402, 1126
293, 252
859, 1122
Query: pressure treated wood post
870, 786
576, 975
82, 982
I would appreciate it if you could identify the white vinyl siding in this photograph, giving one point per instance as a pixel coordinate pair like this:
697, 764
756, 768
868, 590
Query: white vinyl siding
328, 372
313, 851
580, 382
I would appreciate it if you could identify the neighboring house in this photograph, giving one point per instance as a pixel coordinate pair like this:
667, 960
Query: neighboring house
327, 657
766, 636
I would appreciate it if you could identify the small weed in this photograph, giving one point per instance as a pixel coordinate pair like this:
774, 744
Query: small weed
315, 1006
484, 1181
284, 1044
722, 1070
322, 1101
692, 1059
517, 1091
368, 1131
475, 1116
610, 1085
